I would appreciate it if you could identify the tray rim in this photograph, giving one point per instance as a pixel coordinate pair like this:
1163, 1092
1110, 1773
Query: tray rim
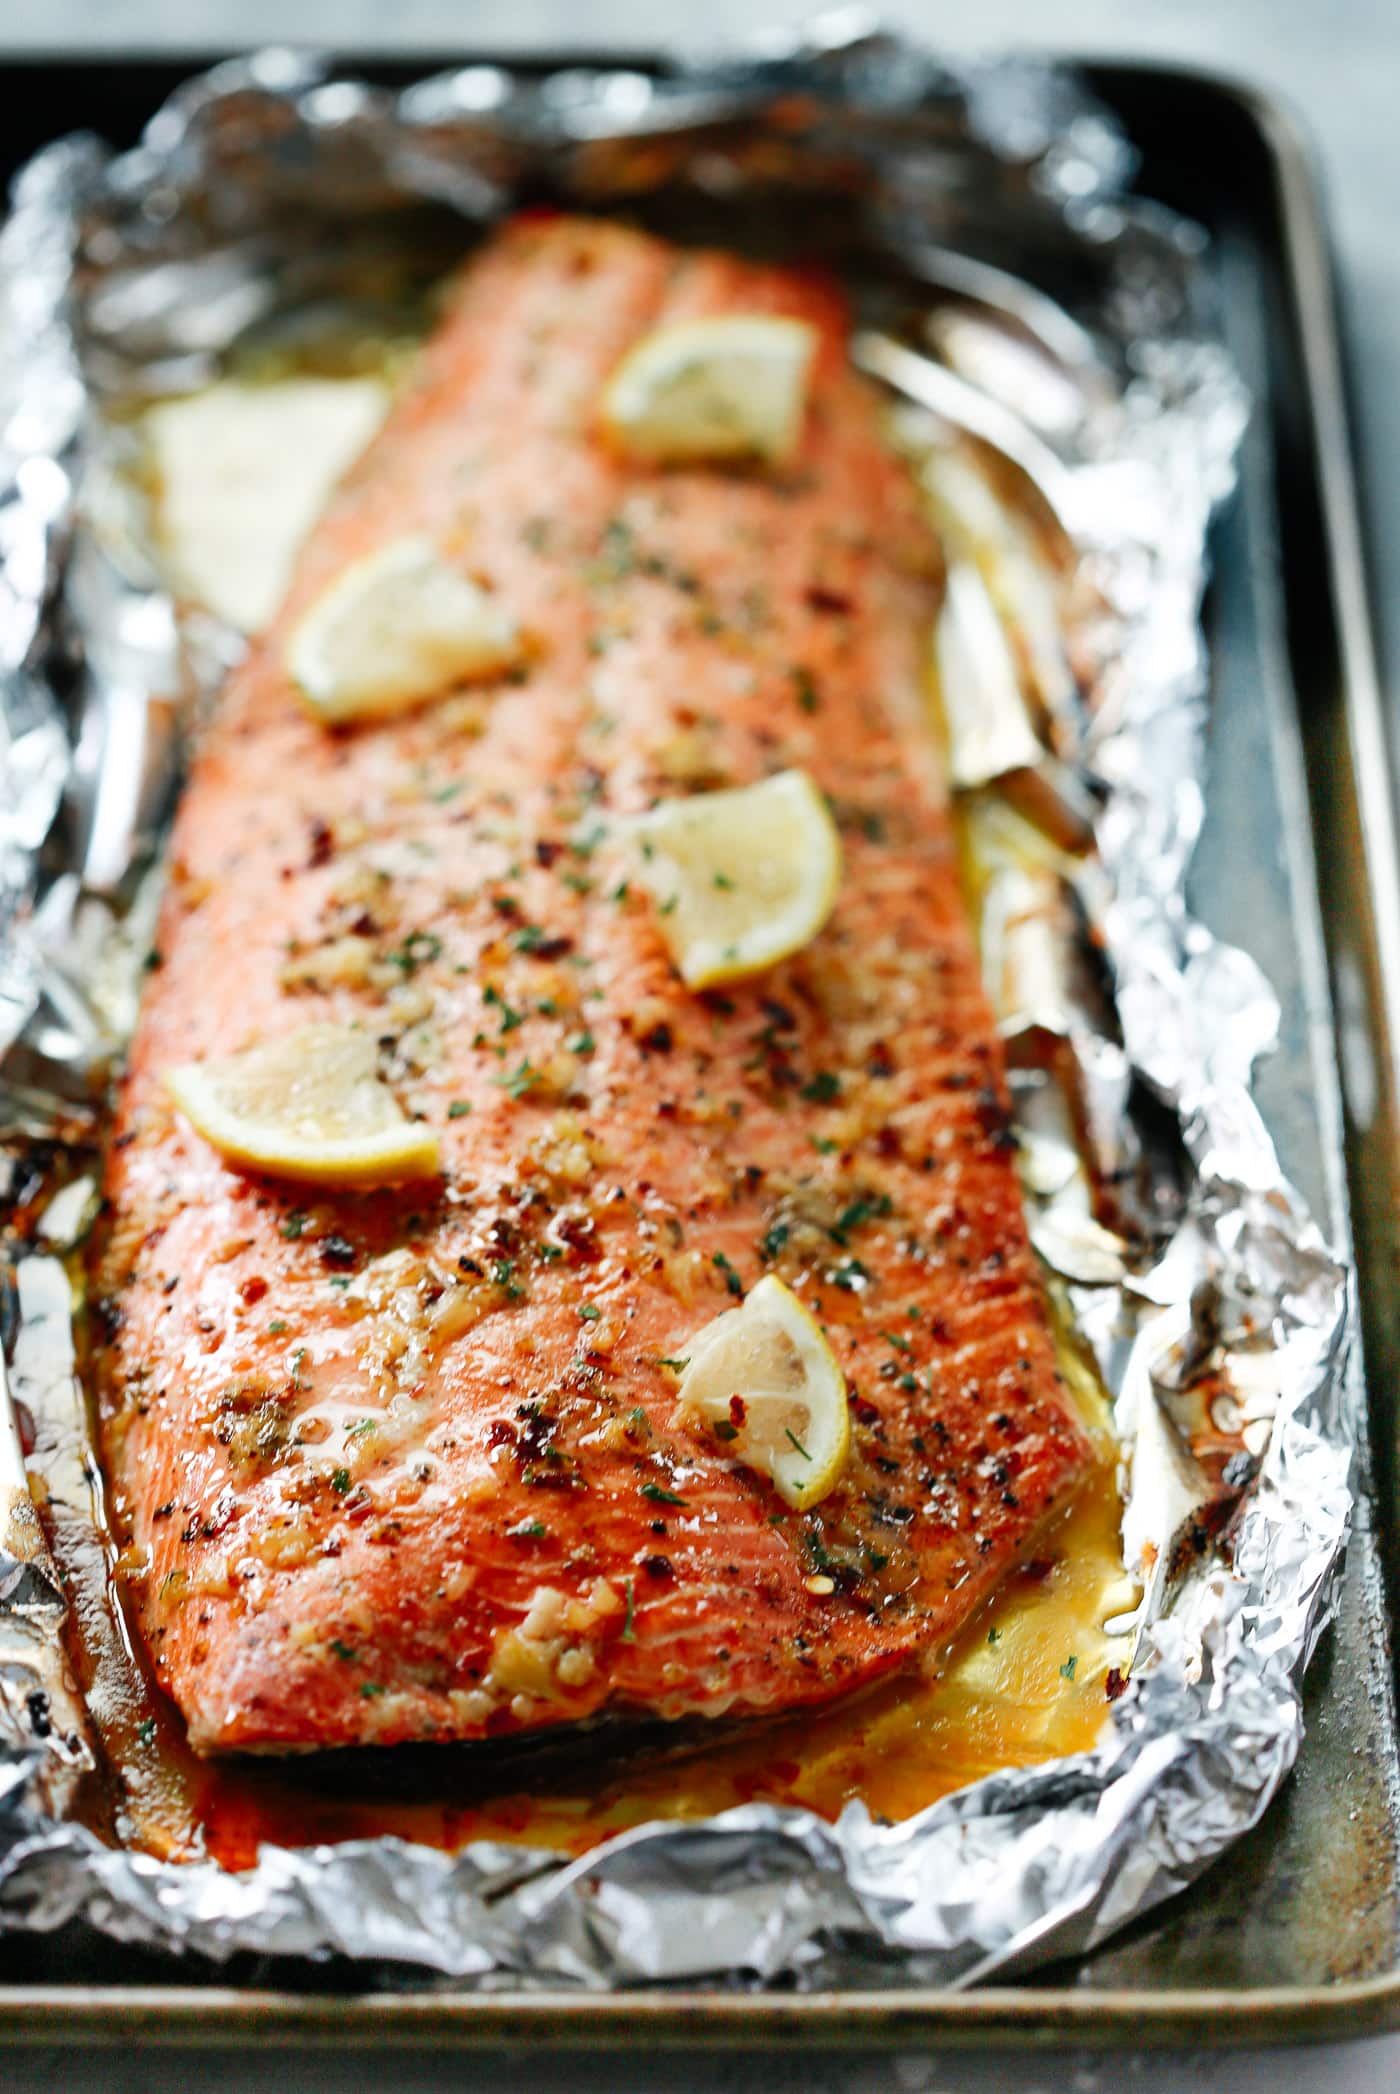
1023, 2017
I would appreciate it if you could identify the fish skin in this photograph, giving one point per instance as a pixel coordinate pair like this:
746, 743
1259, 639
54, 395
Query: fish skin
390, 1475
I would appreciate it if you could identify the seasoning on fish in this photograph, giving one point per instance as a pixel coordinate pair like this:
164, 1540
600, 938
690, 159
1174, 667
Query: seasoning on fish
411, 1461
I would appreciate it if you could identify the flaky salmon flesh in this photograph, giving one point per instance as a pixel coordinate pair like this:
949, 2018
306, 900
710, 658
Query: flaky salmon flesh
408, 1463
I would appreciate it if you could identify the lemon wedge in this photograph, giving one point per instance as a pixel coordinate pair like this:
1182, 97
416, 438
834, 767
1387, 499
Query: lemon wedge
764, 1376
243, 472
310, 1107
740, 878
395, 628
729, 387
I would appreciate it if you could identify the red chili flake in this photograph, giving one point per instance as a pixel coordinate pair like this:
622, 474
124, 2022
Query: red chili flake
738, 1413
1115, 1683
253, 1289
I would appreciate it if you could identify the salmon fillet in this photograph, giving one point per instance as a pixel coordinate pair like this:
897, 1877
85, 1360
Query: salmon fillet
405, 1464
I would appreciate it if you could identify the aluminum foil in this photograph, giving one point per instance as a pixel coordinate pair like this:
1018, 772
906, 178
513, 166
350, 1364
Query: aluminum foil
1072, 452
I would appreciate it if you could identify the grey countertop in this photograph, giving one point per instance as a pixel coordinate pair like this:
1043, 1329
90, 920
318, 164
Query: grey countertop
1337, 63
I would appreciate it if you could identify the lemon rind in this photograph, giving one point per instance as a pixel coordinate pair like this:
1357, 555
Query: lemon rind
391, 1156
799, 1324
334, 701
706, 963
629, 416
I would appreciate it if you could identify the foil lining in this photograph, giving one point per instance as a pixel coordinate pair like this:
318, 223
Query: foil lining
1072, 455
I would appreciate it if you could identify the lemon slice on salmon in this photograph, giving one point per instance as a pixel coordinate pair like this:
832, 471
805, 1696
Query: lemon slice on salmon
741, 878
396, 628
766, 1381
730, 387
310, 1107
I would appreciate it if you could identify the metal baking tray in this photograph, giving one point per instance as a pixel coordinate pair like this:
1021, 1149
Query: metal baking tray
1296, 1936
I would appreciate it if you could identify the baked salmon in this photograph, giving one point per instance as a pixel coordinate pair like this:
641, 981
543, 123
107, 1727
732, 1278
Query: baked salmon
408, 1463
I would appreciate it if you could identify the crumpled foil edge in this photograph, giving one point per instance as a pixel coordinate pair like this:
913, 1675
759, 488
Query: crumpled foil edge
1023, 1866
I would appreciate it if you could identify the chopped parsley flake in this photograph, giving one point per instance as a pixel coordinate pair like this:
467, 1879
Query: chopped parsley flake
857, 1214
821, 1088
416, 950
796, 1443
276, 1327
589, 1312
994, 1635
340, 1481
294, 1224
345, 1651
459, 1108
582, 1043
510, 1017
660, 1496
628, 1633
731, 1278
618, 553
518, 1081
1067, 1669
805, 685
